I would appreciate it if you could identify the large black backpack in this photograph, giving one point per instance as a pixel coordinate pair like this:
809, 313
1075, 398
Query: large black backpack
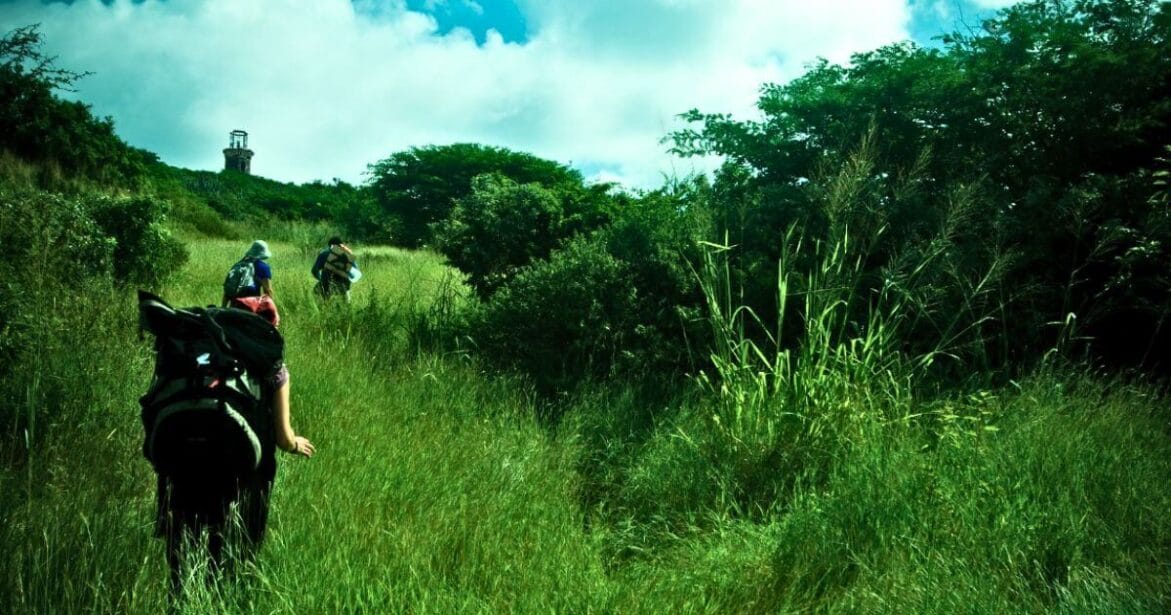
204, 416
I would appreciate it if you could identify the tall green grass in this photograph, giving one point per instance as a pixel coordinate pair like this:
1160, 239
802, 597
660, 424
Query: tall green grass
809, 475
794, 480
431, 487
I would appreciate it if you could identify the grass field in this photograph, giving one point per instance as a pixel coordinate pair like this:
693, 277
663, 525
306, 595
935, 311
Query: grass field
435, 488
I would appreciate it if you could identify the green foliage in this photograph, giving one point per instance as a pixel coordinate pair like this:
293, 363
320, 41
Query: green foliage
500, 227
248, 198
46, 232
419, 187
145, 253
656, 236
778, 415
817, 476
1161, 180
1053, 109
52, 243
59, 135
565, 308
434, 489
60, 249
563, 319
882, 220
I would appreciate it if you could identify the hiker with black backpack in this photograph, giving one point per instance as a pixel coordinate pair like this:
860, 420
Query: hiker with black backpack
335, 270
214, 415
250, 276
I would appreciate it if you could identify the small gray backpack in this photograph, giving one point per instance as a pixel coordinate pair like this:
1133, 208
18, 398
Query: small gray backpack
240, 276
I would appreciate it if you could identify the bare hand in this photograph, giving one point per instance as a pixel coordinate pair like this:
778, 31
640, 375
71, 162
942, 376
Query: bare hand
302, 446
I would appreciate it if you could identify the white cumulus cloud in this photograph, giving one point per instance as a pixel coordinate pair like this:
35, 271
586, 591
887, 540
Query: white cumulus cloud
324, 88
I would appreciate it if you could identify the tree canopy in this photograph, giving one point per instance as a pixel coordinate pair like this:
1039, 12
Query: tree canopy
62, 135
1056, 110
418, 187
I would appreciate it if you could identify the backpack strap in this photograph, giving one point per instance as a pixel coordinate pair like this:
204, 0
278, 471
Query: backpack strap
216, 331
338, 264
236, 390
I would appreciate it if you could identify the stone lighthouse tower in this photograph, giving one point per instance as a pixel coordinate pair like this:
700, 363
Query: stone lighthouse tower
237, 156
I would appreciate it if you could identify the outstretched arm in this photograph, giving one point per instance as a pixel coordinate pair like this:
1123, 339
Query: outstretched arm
286, 438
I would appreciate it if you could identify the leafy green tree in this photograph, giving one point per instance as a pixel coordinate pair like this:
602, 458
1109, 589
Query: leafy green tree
1050, 88
618, 299
56, 134
499, 228
1054, 108
418, 187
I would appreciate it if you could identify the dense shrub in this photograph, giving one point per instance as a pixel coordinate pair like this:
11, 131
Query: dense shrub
242, 197
623, 298
561, 319
657, 237
45, 232
499, 228
59, 249
53, 250
144, 251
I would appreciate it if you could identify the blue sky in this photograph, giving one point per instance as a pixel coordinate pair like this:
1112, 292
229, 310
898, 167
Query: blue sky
929, 18
326, 87
503, 16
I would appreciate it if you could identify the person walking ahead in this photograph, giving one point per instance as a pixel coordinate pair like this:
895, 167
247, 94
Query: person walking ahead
214, 415
251, 276
335, 269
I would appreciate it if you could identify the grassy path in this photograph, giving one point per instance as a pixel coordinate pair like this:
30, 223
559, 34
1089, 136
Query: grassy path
430, 491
